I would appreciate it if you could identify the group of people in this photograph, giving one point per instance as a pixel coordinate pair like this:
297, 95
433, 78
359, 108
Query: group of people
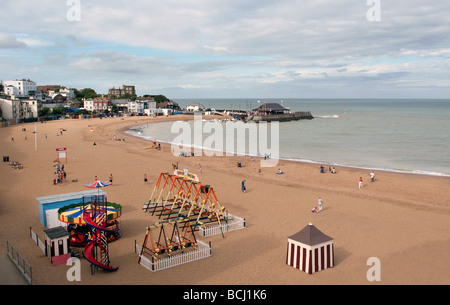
330, 169
371, 176
319, 208
60, 173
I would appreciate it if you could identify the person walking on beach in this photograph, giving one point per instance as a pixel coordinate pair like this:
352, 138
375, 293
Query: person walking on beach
360, 182
110, 178
243, 186
145, 179
320, 203
372, 176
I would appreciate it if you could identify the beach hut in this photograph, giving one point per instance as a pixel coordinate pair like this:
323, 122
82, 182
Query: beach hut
310, 250
57, 245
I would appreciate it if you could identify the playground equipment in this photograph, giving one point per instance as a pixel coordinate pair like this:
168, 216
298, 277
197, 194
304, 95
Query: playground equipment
95, 215
80, 232
182, 197
186, 174
165, 246
167, 239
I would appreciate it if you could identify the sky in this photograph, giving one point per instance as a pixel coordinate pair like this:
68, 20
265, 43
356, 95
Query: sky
232, 49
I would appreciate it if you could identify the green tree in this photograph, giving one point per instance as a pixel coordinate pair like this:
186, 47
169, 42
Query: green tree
159, 98
85, 93
57, 111
44, 111
114, 109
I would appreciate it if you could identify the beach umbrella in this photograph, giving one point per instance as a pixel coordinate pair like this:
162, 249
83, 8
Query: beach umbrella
98, 184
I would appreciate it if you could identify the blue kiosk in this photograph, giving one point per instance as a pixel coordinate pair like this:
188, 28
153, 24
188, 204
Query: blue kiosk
49, 205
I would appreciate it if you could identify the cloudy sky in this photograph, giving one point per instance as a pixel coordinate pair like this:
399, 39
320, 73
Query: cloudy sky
230, 48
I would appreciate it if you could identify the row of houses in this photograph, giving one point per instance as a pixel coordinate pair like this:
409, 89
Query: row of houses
24, 100
13, 107
140, 107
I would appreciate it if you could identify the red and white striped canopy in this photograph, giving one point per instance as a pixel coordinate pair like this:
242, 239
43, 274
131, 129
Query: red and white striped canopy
97, 184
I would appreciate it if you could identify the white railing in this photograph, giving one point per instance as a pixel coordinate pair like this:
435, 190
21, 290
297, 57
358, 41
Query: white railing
38, 242
21, 264
203, 251
233, 223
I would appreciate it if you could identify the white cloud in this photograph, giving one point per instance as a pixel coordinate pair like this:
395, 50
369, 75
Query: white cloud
241, 46
8, 41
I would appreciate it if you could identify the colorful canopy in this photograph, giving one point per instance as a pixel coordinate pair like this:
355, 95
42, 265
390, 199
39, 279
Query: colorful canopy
73, 214
97, 184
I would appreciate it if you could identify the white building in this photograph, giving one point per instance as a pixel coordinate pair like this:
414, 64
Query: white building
20, 88
68, 93
14, 108
133, 107
99, 104
195, 107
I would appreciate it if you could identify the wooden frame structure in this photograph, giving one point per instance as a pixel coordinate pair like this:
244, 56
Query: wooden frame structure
180, 198
168, 240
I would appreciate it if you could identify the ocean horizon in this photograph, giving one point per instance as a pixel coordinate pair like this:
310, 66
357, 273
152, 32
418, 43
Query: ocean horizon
400, 135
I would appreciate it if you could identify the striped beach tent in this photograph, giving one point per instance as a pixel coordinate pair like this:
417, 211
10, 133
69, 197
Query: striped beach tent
310, 250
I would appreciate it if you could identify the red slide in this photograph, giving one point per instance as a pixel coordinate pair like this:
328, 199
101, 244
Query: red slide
88, 255
87, 218
88, 249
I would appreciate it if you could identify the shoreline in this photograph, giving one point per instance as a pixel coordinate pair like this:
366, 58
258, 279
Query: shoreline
132, 132
400, 218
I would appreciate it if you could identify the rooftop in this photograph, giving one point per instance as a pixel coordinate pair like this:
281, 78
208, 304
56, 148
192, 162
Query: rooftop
310, 235
271, 107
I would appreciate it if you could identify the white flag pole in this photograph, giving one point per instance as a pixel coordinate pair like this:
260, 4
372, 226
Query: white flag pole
35, 136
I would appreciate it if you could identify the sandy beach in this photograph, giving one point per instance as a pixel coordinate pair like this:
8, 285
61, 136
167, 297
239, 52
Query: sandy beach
402, 219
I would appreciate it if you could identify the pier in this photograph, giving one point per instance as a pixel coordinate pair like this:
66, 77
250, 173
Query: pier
269, 112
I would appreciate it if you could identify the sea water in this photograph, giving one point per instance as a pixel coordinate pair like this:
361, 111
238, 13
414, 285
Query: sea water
396, 135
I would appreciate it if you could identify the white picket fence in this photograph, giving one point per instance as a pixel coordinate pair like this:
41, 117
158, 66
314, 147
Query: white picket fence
38, 242
233, 223
203, 251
